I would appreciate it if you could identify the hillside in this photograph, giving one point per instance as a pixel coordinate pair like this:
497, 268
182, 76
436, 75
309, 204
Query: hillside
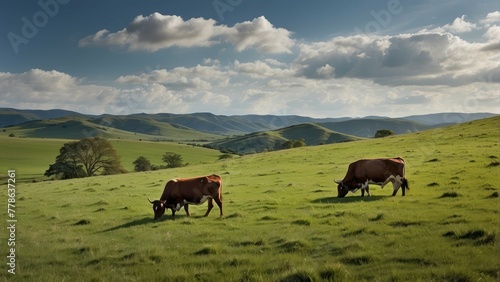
283, 221
32, 156
312, 134
10, 117
106, 127
368, 127
161, 124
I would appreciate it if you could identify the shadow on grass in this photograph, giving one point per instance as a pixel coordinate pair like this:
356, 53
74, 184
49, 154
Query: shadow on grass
143, 221
353, 199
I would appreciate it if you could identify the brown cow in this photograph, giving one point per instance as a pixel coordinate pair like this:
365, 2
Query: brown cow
183, 191
361, 173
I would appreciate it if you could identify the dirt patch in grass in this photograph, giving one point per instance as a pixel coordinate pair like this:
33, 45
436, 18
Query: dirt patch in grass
493, 164
354, 233
493, 195
269, 218
357, 260
417, 261
433, 184
83, 222
302, 222
300, 276
377, 218
478, 237
404, 223
335, 272
206, 251
449, 195
234, 215
295, 246
82, 251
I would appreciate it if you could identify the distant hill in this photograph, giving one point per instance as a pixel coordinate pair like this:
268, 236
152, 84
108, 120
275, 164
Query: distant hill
448, 118
9, 116
312, 134
368, 127
78, 128
205, 126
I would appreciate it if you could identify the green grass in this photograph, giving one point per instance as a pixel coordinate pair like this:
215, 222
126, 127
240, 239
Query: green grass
31, 157
283, 221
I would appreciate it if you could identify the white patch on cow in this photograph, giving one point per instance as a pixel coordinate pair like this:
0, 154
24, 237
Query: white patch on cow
175, 180
396, 184
365, 185
202, 200
178, 207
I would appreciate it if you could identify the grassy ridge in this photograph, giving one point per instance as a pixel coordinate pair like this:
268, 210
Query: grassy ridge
106, 127
312, 134
31, 157
283, 220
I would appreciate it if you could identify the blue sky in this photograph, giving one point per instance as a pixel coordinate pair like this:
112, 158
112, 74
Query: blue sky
314, 58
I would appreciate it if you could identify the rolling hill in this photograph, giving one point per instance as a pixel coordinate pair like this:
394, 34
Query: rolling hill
368, 127
311, 133
204, 127
283, 221
106, 127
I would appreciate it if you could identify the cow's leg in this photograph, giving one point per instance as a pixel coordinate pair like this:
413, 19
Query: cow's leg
365, 186
219, 203
210, 206
186, 208
395, 186
404, 185
389, 179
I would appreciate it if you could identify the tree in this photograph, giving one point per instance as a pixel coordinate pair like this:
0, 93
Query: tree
287, 145
293, 144
299, 143
384, 133
172, 160
142, 164
86, 157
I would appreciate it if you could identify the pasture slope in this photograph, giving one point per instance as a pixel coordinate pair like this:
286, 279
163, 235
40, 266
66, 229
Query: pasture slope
282, 220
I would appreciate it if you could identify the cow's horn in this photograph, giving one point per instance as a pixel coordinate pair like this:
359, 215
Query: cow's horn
150, 201
337, 181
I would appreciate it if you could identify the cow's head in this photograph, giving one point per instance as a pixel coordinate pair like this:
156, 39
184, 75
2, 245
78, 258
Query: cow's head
342, 189
158, 207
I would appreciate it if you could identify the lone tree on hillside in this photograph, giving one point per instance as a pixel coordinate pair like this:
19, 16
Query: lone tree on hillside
384, 133
293, 144
142, 164
172, 160
86, 157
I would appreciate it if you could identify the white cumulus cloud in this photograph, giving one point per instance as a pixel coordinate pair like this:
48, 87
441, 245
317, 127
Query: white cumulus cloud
157, 31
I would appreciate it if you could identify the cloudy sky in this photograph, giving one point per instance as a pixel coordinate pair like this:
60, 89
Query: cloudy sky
313, 58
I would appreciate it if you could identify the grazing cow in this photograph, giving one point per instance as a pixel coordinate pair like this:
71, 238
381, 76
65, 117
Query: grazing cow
361, 173
183, 191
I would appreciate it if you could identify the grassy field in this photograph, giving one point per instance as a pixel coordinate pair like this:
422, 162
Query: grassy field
31, 157
282, 220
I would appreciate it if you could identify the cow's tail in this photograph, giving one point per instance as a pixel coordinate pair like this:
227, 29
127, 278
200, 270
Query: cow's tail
404, 181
